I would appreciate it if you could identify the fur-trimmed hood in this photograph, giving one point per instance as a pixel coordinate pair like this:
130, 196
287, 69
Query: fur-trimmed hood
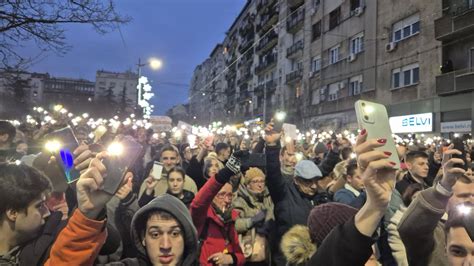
296, 245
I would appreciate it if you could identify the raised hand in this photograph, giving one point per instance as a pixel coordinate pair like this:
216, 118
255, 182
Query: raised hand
83, 158
271, 137
150, 184
377, 172
451, 173
125, 190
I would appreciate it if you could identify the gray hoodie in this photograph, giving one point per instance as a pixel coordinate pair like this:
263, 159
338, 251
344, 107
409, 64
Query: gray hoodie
175, 207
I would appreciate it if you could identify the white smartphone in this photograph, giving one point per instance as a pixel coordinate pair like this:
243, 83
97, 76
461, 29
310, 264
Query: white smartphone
290, 131
373, 117
157, 170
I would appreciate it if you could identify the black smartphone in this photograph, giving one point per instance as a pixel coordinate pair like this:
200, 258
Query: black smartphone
278, 121
459, 145
61, 144
119, 163
254, 160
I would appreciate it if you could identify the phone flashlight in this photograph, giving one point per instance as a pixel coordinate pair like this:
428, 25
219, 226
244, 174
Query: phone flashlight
52, 146
280, 116
115, 149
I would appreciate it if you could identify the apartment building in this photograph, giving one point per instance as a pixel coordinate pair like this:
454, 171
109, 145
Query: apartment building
315, 58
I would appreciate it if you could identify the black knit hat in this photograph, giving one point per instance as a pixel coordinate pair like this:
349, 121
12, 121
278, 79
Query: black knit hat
323, 218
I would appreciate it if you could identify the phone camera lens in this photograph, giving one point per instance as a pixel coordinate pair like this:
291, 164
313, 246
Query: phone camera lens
363, 104
366, 117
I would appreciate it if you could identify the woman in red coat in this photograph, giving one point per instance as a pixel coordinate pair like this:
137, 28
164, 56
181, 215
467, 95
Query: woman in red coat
214, 219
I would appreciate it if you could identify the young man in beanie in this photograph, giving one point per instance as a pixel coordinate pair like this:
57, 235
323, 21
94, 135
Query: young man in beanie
293, 198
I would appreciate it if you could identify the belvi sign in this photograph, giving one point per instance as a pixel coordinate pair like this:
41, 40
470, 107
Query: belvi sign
412, 123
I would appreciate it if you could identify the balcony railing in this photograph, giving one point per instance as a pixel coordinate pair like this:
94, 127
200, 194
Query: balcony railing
455, 25
269, 62
268, 19
295, 3
246, 44
295, 49
294, 76
455, 82
295, 22
268, 42
270, 86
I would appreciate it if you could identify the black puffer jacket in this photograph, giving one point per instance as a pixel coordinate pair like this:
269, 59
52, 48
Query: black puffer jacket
291, 206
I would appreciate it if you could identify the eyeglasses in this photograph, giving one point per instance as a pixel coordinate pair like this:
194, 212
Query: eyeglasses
257, 182
223, 195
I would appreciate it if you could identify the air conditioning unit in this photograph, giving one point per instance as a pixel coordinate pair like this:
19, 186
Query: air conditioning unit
351, 57
391, 46
342, 84
358, 11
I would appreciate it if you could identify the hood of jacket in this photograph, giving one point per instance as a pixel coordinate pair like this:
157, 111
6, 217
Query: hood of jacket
296, 245
175, 207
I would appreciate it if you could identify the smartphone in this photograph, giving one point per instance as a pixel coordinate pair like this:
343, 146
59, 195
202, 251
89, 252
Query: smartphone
290, 131
192, 141
278, 120
157, 170
459, 145
118, 165
66, 142
373, 117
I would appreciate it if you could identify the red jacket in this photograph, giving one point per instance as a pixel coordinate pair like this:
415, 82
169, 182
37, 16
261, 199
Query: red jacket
201, 210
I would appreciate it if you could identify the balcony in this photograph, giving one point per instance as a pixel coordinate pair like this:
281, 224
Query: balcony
294, 76
246, 45
295, 22
455, 25
270, 86
268, 19
295, 3
268, 42
259, 89
269, 62
296, 50
264, 5
455, 82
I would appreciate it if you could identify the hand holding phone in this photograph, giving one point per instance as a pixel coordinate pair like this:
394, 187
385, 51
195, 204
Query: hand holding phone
278, 120
122, 155
157, 170
373, 118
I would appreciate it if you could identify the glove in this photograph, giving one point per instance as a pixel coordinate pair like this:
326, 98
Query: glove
235, 161
258, 218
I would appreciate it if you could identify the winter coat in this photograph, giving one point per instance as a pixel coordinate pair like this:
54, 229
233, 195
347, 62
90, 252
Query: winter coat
217, 232
291, 206
422, 231
248, 206
195, 171
396, 244
346, 196
407, 180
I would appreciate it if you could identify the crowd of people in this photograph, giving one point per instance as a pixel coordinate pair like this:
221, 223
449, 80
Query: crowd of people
232, 198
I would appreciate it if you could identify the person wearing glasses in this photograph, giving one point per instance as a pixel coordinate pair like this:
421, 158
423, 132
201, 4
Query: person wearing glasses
214, 218
256, 217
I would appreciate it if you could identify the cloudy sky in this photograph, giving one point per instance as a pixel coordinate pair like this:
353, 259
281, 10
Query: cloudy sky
180, 32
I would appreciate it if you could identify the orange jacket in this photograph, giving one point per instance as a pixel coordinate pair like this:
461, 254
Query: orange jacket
79, 242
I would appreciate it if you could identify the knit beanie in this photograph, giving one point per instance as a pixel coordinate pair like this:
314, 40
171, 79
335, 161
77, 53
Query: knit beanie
320, 148
252, 173
323, 218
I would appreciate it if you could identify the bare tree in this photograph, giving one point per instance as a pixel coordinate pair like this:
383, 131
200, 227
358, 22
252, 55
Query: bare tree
42, 21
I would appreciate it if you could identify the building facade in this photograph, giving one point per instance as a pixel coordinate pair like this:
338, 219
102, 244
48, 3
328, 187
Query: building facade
315, 58
118, 91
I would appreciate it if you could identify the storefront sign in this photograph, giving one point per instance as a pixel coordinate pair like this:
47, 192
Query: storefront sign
412, 123
456, 127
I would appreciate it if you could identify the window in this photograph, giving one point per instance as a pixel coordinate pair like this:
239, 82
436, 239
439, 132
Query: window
355, 4
316, 31
357, 44
355, 85
334, 18
333, 91
322, 94
316, 97
334, 55
405, 76
316, 64
406, 28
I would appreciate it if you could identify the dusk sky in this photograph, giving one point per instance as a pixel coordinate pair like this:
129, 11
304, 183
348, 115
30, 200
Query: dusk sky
180, 32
